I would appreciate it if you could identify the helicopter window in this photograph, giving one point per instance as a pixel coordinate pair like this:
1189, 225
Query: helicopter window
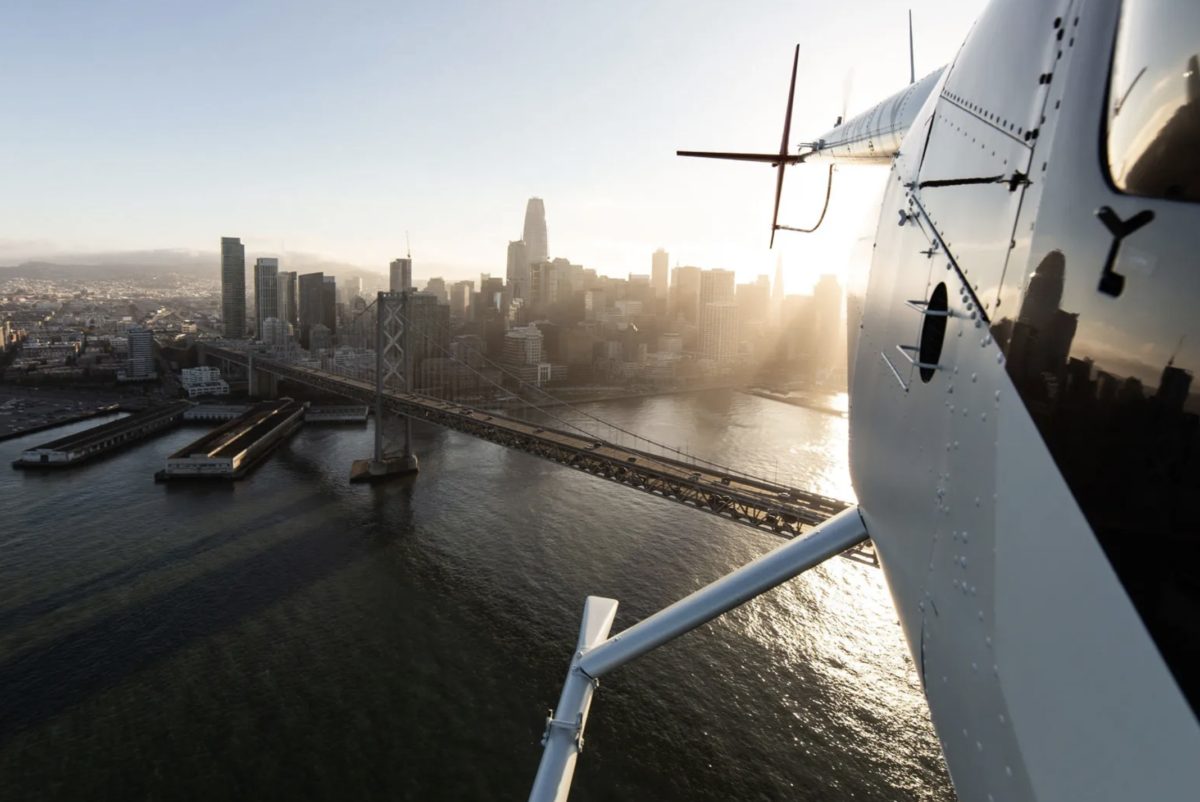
1154, 101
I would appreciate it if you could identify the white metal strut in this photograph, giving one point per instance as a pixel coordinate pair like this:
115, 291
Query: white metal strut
595, 655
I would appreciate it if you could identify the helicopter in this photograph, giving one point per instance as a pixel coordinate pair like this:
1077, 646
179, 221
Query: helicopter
1024, 437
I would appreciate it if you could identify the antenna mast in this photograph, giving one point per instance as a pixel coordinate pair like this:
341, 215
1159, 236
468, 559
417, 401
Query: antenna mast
407, 245
912, 61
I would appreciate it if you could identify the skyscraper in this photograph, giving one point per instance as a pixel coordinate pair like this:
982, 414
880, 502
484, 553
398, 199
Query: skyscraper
437, 285
659, 275
288, 307
311, 296
753, 301
430, 322
329, 303
141, 353
717, 287
400, 275
536, 242
549, 283
266, 291
523, 346
685, 294
460, 300
233, 288
719, 331
517, 274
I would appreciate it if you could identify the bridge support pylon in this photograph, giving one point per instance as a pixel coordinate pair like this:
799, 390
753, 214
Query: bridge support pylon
393, 368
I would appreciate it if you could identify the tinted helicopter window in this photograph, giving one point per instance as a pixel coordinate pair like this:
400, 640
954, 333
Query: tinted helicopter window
1154, 100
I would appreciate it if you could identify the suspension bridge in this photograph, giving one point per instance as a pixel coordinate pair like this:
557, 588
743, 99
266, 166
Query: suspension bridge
577, 439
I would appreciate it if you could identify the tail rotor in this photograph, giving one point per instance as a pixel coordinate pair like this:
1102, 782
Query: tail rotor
779, 160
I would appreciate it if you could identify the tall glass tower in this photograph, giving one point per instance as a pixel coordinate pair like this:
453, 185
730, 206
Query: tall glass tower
536, 245
518, 269
266, 291
233, 288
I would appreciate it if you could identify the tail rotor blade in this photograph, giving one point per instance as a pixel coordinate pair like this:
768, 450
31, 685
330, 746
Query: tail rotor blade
769, 158
787, 119
783, 146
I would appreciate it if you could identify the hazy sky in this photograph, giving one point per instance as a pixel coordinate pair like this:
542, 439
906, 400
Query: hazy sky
333, 127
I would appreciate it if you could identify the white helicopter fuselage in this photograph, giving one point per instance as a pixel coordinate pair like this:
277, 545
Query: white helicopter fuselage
996, 422
1024, 442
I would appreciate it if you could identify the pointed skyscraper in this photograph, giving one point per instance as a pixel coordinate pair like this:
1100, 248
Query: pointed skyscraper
538, 249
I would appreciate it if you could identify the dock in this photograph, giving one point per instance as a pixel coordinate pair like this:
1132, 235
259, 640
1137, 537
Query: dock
232, 449
91, 443
215, 412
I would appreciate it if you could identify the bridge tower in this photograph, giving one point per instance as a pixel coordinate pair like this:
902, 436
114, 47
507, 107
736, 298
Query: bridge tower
393, 371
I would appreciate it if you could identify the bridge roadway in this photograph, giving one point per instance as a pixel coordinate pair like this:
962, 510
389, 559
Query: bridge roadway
776, 508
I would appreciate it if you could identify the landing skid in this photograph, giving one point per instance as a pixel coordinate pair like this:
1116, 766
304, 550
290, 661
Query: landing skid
596, 654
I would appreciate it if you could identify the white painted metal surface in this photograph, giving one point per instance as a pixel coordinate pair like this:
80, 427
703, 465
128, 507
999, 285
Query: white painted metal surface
1042, 681
595, 656
564, 727
1053, 654
831, 538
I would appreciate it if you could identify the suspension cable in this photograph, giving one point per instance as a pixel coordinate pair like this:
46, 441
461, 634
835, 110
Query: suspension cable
601, 421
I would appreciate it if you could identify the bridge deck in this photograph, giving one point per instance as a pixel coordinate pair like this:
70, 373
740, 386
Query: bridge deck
748, 500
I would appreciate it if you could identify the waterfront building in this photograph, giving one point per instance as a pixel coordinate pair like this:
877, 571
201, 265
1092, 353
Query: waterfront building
204, 380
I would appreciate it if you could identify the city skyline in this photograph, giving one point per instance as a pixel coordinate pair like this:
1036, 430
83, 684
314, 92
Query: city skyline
323, 177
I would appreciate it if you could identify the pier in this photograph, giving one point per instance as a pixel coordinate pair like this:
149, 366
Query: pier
92, 443
232, 449
216, 412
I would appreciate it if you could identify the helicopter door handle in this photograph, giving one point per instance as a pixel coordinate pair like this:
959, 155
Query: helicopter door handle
1111, 282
